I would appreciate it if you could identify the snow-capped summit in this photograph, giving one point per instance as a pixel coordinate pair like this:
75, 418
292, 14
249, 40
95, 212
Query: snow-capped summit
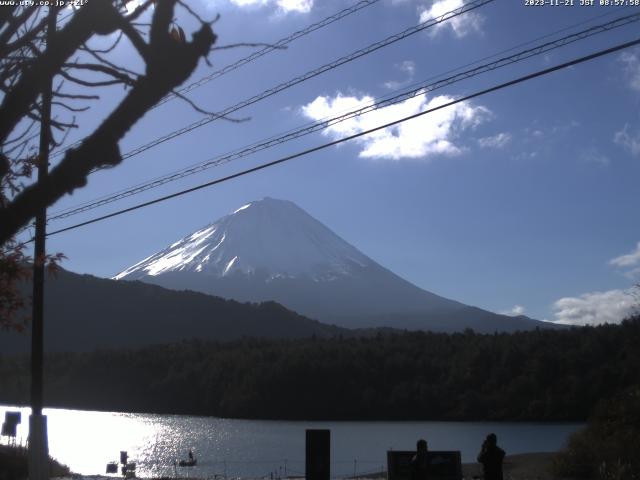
269, 237
273, 250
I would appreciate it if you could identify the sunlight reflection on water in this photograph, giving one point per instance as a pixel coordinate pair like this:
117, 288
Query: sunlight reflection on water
86, 441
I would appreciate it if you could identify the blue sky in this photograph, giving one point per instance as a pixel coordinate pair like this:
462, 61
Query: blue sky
523, 200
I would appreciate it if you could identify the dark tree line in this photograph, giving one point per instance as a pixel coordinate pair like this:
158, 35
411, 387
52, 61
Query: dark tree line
536, 375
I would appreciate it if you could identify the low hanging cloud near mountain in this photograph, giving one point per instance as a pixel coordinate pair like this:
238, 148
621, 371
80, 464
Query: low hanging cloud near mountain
515, 311
611, 306
629, 263
286, 6
462, 25
436, 133
596, 308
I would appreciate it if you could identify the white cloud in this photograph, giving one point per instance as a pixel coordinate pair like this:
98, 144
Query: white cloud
631, 61
248, 3
515, 311
496, 141
300, 6
595, 308
630, 141
130, 6
461, 25
436, 133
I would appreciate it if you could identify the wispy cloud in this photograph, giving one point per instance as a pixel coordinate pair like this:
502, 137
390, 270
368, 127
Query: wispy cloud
408, 68
540, 141
631, 62
286, 6
596, 308
437, 133
461, 25
499, 140
593, 155
515, 311
628, 140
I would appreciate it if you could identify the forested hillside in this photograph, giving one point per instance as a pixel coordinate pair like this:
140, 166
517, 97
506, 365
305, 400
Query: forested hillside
85, 313
537, 375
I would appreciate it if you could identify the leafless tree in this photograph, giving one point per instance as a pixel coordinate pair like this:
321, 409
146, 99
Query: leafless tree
28, 63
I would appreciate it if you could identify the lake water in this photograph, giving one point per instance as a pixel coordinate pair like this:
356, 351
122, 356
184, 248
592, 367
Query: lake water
86, 441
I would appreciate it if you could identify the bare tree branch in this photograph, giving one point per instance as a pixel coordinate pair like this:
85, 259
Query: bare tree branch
90, 83
94, 17
206, 112
101, 148
107, 70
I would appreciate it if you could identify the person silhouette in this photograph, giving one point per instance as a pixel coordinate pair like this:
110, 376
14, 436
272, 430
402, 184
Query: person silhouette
190, 456
420, 461
491, 457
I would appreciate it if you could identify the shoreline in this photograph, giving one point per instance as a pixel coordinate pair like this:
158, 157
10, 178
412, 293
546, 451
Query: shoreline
523, 466
26, 405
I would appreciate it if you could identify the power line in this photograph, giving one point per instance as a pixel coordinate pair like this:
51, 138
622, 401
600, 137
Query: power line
325, 123
278, 45
254, 56
307, 76
501, 86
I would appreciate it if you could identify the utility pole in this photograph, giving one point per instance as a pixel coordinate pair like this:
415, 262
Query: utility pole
38, 443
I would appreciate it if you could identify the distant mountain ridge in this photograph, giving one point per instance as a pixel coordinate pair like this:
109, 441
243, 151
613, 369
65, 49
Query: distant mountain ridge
84, 313
273, 250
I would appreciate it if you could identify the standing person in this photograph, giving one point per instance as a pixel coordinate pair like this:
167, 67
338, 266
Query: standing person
491, 456
420, 462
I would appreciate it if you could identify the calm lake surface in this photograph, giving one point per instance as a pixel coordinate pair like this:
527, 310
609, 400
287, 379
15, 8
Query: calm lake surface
86, 441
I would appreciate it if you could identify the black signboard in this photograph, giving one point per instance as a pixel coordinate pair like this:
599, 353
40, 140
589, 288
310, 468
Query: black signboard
13, 417
318, 455
11, 421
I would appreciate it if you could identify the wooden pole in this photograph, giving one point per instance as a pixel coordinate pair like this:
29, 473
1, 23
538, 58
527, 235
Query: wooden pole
38, 444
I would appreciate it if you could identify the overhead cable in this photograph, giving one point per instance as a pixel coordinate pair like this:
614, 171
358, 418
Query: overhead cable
303, 153
420, 89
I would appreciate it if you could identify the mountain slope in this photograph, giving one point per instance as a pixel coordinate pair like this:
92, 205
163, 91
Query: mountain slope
83, 313
273, 250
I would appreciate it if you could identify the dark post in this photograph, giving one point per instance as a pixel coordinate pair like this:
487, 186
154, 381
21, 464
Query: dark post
38, 445
318, 455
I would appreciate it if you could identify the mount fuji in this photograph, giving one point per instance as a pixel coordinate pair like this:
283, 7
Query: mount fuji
273, 250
